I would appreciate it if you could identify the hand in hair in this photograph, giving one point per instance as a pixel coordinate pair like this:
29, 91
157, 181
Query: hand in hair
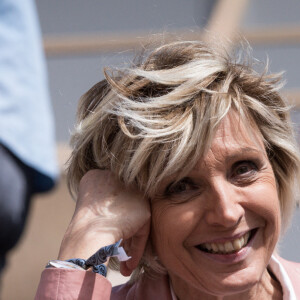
106, 212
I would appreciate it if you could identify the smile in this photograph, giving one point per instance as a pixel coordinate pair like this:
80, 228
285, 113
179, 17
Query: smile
229, 246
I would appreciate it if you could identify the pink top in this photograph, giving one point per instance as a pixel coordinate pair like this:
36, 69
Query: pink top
58, 284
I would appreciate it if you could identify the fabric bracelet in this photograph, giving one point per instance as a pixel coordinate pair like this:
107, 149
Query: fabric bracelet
95, 261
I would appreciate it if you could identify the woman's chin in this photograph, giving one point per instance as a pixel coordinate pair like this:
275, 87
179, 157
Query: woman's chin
238, 283
241, 282
226, 279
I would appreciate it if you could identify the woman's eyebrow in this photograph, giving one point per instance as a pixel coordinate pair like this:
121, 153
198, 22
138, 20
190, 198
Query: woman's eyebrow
240, 152
236, 153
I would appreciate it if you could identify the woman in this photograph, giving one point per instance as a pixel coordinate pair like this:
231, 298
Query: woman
196, 166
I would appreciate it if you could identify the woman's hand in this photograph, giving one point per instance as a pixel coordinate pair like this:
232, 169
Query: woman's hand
106, 212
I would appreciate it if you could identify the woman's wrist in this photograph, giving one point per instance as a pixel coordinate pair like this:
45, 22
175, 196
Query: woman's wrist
76, 245
85, 235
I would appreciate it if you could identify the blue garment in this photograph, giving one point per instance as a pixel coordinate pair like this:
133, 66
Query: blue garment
26, 123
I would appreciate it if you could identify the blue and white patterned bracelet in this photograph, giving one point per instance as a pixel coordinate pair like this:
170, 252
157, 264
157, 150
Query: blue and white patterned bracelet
95, 261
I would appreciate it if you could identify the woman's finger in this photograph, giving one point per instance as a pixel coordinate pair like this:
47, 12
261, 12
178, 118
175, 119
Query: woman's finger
136, 246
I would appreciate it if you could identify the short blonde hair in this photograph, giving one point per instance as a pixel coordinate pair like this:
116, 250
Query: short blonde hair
159, 116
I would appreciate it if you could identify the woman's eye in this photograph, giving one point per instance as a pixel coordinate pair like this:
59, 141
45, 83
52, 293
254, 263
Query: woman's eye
179, 187
244, 168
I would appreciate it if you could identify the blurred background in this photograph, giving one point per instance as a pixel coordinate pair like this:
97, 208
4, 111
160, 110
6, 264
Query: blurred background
81, 37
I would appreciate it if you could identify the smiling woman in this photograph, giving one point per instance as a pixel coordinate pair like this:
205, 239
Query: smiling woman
226, 211
189, 157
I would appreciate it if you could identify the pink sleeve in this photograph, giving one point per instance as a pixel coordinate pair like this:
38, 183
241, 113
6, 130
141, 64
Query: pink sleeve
58, 284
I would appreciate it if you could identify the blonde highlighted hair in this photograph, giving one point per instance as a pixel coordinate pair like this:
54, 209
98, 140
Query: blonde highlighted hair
156, 118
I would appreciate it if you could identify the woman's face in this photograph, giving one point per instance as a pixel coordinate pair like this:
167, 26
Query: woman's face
216, 229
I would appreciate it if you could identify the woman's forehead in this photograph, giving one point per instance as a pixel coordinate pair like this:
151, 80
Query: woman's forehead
233, 139
237, 132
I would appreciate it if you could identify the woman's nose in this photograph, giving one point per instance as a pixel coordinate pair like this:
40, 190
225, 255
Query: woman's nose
223, 207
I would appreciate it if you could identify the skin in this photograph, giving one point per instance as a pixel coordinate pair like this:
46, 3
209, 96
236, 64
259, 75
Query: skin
230, 191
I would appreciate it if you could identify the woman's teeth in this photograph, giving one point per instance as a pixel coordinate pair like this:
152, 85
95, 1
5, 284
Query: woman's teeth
227, 247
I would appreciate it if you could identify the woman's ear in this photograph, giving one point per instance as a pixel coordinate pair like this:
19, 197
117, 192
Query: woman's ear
135, 247
125, 271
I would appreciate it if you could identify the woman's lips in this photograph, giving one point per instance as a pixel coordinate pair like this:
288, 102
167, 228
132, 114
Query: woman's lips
229, 257
228, 246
